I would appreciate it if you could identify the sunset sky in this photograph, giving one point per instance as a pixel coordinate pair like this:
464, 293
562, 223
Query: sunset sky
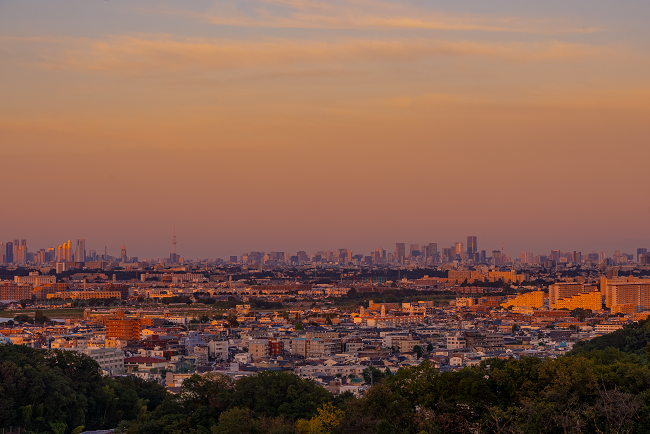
308, 125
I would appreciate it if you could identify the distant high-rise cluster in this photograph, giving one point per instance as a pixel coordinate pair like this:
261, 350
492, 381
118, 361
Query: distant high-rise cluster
69, 254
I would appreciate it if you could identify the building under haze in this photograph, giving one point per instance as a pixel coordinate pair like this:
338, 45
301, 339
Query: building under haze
400, 252
471, 245
80, 251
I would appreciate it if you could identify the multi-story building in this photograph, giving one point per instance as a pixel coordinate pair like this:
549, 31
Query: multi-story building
80, 251
121, 327
478, 339
20, 252
562, 290
626, 291
591, 300
122, 288
64, 252
300, 346
85, 295
496, 257
455, 342
35, 279
534, 299
110, 360
276, 347
400, 252
11, 291
218, 349
471, 245
9, 258
258, 348
319, 347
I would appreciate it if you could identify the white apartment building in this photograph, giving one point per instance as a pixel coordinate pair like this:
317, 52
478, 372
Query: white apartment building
110, 360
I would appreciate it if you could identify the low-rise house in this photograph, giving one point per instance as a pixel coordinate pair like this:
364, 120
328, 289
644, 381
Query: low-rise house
133, 364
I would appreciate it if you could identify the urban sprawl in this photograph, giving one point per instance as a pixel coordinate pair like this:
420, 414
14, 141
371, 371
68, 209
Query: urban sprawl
332, 316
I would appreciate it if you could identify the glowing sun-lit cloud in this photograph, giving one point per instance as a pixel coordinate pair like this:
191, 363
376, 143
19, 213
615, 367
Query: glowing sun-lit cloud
139, 53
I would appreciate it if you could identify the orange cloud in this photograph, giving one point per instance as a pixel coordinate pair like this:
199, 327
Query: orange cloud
368, 14
136, 54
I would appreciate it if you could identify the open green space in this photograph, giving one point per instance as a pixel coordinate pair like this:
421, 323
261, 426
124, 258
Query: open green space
50, 313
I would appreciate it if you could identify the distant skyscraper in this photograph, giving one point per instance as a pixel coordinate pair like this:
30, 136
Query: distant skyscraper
123, 252
471, 245
458, 250
414, 248
482, 257
640, 253
80, 251
526, 258
16, 254
496, 257
64, 252
10, 253
400, 253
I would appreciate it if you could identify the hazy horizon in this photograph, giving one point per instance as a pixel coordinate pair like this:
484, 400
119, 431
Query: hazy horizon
113, 249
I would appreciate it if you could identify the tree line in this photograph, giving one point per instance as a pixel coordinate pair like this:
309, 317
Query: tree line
601, 386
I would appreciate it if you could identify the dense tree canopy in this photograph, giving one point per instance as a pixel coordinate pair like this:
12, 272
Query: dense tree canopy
601, 386
41, 389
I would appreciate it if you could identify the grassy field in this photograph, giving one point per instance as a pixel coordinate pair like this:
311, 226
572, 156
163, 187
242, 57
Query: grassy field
50, 313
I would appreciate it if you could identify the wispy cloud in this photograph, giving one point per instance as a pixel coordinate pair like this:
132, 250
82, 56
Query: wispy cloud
142, 53
367, 14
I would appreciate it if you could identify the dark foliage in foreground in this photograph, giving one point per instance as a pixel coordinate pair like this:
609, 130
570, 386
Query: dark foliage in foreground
596, 388
58, 391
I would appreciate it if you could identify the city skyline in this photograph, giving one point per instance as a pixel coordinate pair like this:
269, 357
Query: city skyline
70, 249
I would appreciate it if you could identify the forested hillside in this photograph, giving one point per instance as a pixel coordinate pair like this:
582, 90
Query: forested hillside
633, 339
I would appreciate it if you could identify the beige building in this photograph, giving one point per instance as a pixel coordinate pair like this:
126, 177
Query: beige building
35, 279
110, 360
258, 349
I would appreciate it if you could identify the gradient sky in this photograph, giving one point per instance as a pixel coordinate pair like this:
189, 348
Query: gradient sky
307, 125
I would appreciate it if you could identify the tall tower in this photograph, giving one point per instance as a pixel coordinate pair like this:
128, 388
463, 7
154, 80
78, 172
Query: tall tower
68, 251
173, 258
471, 245
123, 252
174, 242
400, 252
80, 251
10, 252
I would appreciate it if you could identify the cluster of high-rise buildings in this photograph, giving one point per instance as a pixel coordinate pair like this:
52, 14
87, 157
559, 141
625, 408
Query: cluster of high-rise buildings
427, 254
16, 252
